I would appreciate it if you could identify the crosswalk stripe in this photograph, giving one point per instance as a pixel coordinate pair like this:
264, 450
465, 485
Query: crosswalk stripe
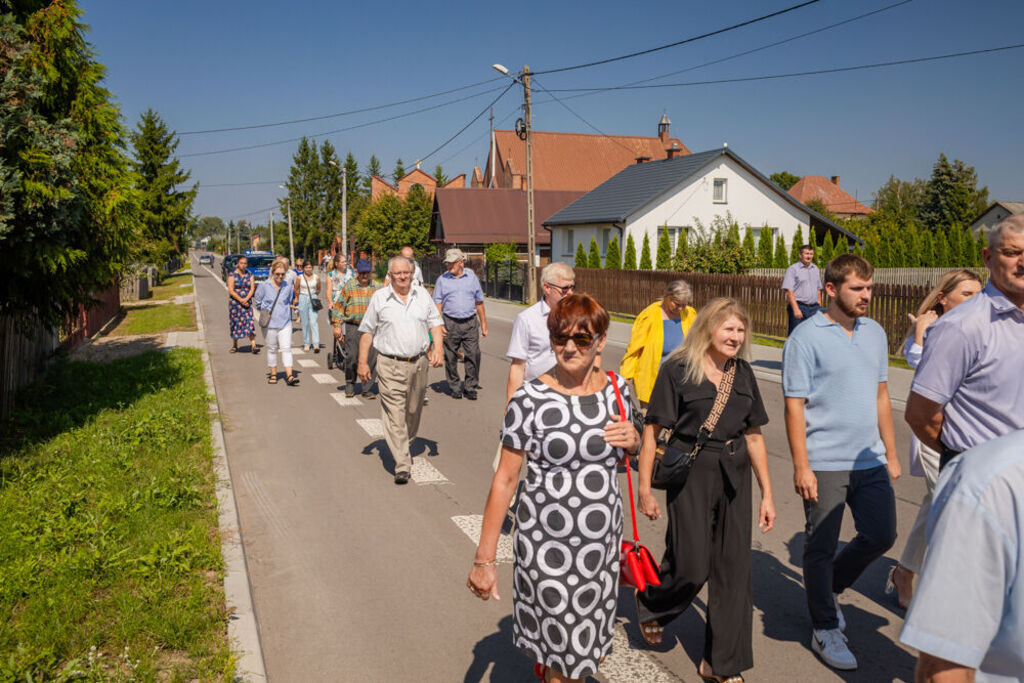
345, 401
308, 363
471, 525
324, 378
372, 426
425, 473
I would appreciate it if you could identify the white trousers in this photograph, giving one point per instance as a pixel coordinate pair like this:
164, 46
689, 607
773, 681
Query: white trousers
280, 337
917, 541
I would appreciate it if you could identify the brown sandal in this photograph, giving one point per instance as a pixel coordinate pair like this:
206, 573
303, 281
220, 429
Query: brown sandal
712, 678
651, 631
233, 349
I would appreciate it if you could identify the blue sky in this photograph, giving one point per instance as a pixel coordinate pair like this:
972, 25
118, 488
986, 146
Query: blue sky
205, 65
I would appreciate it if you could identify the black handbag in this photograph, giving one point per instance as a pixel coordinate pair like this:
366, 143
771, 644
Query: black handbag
314, 301
672, 465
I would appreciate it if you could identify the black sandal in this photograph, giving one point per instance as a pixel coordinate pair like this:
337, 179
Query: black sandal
233, 349
271, 379
291, 380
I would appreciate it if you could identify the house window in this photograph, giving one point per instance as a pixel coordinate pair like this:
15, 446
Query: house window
673, 234
774, 232
719, 193
568, 244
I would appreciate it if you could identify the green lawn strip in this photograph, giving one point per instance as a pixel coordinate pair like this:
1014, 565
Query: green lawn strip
109, 549
156, 318
171, 287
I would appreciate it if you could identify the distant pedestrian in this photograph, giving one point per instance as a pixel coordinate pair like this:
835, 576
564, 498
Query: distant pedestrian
460, 300
841, 436
307, 299
802, 284
397, 323
967, 389
967, 617
566, 425
417, 272
274, 296
954, 288
657, 332
709, 519
341, 274
241, 289
355, 298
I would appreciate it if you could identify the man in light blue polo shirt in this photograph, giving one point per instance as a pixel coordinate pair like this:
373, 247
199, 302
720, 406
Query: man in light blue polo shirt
839, 424
969, 386
460, 300
967, 616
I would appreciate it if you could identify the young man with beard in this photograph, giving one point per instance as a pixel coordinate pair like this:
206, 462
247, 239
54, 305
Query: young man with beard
839, 424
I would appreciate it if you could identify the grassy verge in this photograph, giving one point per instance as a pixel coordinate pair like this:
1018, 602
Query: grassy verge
156, 318
110, 565
171, 287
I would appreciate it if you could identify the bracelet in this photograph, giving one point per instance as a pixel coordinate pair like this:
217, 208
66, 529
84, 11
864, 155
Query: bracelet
490, 563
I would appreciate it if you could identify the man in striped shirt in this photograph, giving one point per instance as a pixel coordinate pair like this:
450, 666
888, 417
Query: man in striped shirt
354, 299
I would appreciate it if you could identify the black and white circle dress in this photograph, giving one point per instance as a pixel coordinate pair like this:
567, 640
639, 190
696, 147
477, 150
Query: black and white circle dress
568, 526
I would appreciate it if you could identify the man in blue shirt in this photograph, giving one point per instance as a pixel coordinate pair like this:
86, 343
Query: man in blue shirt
967, 617
839, 424
802, 285
460, 300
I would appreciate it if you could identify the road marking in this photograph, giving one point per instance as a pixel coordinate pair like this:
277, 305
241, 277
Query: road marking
324, 378
344, 401
624, 663
372, 426
425, 473
471, 526
308, 363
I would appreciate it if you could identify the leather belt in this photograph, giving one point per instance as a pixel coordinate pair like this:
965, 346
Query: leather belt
459, 320
404, 359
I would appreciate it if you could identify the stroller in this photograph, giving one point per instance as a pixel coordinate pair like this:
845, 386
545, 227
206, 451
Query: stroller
338, 355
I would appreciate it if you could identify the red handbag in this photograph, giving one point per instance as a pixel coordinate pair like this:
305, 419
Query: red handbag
637, 567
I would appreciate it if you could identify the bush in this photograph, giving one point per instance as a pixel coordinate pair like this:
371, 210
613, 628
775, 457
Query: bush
613, 260
581, 256
594, 257
645, 254
629, 260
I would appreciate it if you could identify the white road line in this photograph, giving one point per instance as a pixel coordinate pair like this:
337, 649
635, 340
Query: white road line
216, 277
298, 351
308, 363
425, 473
372, 426
324, 378
471, 526
344, 401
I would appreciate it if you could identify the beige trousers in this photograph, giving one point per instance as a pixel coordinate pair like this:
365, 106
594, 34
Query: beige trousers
917, 542
402, 388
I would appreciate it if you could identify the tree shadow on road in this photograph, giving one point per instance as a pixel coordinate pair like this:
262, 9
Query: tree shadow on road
510, 664
419, 447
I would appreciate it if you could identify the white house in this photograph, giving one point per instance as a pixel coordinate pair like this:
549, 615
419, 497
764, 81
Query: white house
996, 212
675, 194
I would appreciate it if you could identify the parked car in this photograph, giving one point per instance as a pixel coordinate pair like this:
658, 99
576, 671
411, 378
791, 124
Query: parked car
228, 265
206, 259
259, 264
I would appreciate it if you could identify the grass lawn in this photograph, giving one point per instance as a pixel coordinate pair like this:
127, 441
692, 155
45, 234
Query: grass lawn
156, 318
110, 559
171, 287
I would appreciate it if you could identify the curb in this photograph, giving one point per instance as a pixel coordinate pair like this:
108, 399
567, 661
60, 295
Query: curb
243, 630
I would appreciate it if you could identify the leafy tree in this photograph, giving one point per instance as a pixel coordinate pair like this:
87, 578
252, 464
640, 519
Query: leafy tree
399, 171
764, 248
69, 210
440, 176
818, 206
594, 257
629, 260
749, 247
780, 260
951, 196
379, 230
794, 252
210, 226
900, 200
784, 179
581, 256
499, 257
645, 254
682, 251
711, 250
613, 259
416, 212
664, 259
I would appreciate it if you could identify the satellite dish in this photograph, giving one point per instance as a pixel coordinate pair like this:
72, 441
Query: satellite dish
521, 129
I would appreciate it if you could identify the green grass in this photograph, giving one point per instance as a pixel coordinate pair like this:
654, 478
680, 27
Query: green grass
171, 287
156, 318
108, 526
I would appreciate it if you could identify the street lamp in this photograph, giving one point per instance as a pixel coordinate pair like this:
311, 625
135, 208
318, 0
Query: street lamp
291, 241
344, 208
531, 231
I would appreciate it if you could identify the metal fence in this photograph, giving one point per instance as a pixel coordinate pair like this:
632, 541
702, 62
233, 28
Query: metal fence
502, 280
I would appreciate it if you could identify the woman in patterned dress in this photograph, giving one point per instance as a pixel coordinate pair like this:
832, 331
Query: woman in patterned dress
240, 293
569, 518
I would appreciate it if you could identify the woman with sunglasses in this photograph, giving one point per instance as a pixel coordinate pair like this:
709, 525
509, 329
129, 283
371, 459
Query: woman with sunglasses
569, 518
709, 518
275, 296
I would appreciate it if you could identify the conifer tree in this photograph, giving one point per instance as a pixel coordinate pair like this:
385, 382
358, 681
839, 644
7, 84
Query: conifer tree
749, 248
798, 241
926, 259
399, 171
765, 254
842, 247
581, 256
732, 234
305, 195
941, 249
682, 251
629, 260
645, 254
827, 249
957, 257
353, 181
664, 259
980, 244
613, 259
951, 196
781, 260
372, 169
440, 176
594, 257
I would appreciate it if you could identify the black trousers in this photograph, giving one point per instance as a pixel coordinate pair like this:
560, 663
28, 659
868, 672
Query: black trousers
352, 337
708, 541
464, 334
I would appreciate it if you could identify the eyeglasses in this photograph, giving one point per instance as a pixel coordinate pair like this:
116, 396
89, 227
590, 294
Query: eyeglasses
582, 340
562, 290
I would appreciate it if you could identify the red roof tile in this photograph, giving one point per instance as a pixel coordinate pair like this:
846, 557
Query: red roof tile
488, 215
834, 198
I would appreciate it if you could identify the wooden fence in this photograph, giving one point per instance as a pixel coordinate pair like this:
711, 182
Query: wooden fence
928, 277
629, 292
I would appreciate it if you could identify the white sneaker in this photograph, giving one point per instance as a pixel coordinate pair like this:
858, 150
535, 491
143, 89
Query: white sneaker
830, 644
839, 613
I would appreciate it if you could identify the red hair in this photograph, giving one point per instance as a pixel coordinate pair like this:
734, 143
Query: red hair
581, 311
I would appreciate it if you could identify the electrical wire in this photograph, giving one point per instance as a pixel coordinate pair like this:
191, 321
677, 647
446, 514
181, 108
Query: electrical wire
251, 213
262, 182
343, 113
679, 42
588, 123
471, 122
481, 137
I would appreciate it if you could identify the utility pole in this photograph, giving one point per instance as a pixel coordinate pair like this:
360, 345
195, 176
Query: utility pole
271, 231
238, 238
291, 241
531, 237
344, 216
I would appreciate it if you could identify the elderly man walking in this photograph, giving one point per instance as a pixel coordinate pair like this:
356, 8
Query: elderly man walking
354, 300
460, 300
968, 388
802, 284
396, 325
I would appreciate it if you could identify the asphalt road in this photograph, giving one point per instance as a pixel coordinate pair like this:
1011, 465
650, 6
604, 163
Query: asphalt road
356, 579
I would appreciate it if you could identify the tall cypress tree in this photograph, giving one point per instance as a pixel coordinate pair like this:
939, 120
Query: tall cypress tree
664, 259
594, 256
613, 259
353, 180
373, 168
682, 251
798, 241
749, 248
629, 259
645, 254
979, 245
828, 248
926, 250
399, 171
781, 259
581, 256
764, 248
942, 256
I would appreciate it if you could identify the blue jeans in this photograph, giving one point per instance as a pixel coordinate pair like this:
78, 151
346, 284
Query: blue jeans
310, 329
806, 309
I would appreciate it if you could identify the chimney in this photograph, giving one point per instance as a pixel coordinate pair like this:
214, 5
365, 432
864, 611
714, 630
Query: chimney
672, 151
663, 126
640, 160
835, 180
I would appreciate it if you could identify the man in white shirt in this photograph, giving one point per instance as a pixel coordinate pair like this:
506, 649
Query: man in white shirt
396, 323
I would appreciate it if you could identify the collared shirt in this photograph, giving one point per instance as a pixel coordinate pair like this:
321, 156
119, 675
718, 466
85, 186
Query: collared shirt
973, 365
339, 279
839, 377
803, 281
355, 299
400, 328
458, 296
281, 315
531, 342
968, 606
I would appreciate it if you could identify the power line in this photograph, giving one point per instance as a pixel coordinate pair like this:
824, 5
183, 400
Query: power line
588, 123
340, 130
342, 113
262, 182
795, 74
479, 138
471, 122
251, 213
677, 43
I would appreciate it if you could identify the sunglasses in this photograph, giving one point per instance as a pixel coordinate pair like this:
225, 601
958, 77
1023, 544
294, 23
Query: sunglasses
562, 290
582, 340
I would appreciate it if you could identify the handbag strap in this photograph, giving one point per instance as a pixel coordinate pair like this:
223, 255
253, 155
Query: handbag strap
721, 398
629, 475
275, 298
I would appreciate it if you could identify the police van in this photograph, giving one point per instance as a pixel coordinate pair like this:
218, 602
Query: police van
259, 263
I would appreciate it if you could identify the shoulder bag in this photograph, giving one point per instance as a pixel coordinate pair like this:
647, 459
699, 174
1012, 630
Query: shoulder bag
265, 314
637, 567
672, 465
314, 300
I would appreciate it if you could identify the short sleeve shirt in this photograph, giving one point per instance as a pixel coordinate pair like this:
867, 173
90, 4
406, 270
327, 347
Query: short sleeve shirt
531, 342
458, 296
803, 281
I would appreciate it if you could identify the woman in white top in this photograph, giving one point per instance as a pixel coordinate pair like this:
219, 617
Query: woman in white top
954, 288
307, 289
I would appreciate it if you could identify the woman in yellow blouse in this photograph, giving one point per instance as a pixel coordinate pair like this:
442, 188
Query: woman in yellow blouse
657, 331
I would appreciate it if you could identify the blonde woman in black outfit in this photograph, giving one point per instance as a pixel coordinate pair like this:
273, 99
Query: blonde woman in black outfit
709, 528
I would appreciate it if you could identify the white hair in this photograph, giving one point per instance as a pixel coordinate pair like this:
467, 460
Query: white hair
1012, 224
556, 270
680, 292
397, 257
